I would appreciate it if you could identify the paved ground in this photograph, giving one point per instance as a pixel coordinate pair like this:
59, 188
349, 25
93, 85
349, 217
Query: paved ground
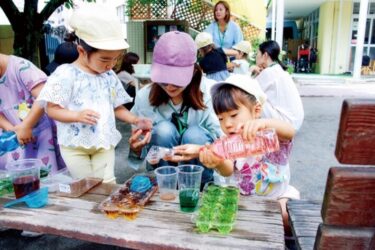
312, 155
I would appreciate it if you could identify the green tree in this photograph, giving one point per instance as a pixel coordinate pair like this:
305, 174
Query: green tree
28, 25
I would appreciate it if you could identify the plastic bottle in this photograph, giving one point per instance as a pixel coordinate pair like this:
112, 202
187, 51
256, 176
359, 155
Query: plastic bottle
9, 142
233, 147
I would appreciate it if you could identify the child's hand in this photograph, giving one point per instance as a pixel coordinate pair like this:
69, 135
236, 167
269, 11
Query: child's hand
208, 158
143, 123
250, 128
24, 134
138, 140
186, 152
88, 116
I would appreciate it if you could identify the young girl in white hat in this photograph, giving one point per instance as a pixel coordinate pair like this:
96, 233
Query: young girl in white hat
86, 96
241, 65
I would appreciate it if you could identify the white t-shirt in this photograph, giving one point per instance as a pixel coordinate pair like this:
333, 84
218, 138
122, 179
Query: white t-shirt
242, 68
76, 90
283, 100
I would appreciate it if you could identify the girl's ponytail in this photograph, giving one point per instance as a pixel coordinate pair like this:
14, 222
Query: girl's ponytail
273, 50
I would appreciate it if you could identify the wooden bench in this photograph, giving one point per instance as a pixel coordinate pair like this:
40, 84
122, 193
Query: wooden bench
346, 218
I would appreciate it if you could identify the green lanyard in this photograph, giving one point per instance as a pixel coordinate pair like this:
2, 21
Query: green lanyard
221, 38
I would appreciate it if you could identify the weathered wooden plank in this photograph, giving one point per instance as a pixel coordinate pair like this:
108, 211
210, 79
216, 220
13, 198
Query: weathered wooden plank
159, 225
356, 135
112, 232
350, 197
304, 218
334, 237
306, 243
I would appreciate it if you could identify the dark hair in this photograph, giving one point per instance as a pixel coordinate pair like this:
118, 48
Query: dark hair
227, 9
192, 94
72, 37
66, 52
227, 97
273, 50
207, 48
128, 60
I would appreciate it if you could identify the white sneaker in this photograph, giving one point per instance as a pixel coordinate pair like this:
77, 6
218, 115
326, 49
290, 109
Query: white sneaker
30, 234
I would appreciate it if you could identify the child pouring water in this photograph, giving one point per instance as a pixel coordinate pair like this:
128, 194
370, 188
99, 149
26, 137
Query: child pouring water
238, 104
84, 97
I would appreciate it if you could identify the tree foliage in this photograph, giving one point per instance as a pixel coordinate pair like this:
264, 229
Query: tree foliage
28, 25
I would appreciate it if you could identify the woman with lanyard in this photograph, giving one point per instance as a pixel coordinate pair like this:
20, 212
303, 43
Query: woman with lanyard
225, 32
177, 102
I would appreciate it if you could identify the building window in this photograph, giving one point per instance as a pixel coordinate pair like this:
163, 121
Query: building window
369, 41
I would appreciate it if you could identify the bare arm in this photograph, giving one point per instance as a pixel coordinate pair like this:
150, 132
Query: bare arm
60, 114
24, 129
230, 52
125, 115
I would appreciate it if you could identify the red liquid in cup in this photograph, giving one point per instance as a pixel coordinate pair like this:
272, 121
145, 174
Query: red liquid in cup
25, 185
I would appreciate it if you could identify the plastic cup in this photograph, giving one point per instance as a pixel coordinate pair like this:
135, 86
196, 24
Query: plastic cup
25, 176
189, 182
166, 178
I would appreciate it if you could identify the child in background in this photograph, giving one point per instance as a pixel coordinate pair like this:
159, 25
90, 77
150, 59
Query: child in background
214, 60
125, 74
20, 83
65, 52
86, 96
238, 104
240, 64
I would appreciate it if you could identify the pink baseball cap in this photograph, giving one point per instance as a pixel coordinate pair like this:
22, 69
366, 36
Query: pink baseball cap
175, 54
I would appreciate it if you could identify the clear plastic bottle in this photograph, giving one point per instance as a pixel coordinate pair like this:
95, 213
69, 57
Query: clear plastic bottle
233, 147
8, 142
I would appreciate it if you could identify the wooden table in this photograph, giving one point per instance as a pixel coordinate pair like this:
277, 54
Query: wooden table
159, 225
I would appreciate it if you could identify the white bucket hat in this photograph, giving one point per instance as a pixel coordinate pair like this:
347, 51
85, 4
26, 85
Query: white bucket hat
243, 46
98, 27
244, 82
203, 39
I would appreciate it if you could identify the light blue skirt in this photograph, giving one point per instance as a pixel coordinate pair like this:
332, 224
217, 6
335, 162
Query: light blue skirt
218, 76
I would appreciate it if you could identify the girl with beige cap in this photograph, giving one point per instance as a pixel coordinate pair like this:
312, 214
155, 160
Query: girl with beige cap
214, 60
240, 64
86, 96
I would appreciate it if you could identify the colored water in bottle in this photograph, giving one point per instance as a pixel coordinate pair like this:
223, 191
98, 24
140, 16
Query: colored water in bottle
8, 142
232, 147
